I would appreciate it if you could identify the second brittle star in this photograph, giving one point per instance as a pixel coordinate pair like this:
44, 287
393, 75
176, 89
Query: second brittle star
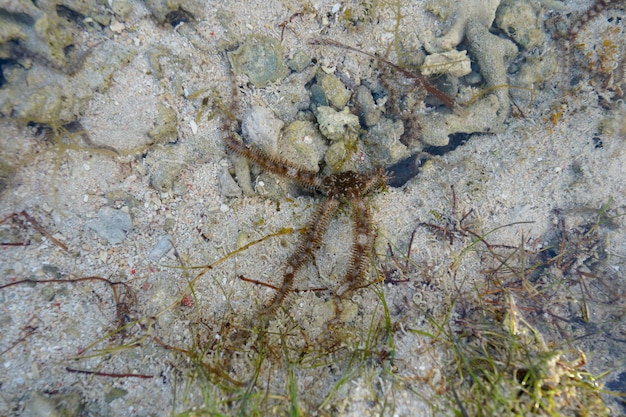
344, 188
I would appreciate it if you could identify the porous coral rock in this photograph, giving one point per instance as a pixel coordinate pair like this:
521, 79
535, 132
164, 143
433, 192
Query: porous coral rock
492, 54
521, 22
483, 11
455, 63
486, 115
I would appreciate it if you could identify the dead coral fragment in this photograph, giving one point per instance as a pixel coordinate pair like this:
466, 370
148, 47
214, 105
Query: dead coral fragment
522, 22
483, 11
454, 63
487, 115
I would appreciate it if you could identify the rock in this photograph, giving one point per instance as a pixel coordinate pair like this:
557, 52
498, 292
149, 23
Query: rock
260, 58
455, 63
293, 96
114, 394
127, 198
383, 143
261, 127
121, 8
481, 11
337, 157
303, 144
47, 96
242, 172
336, 125
51, 271
521, 22
162, 247
299, 61
334, 90
492, 54
164, 174
482, 116
318, 96
111, 225
442, 9
169, 68
537, 69
273, 187
369, 112
39, 31
349, 311
48, 293
227, 184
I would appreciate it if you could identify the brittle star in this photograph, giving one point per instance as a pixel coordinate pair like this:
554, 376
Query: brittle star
347, 187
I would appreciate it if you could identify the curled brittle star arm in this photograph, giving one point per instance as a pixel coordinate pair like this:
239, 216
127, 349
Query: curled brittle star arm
309, 243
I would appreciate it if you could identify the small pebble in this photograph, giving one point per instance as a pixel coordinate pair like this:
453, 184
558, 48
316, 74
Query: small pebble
163, 246
111, 225
117, 27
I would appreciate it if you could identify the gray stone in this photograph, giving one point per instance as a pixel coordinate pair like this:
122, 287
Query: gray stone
481, 11
482, 116
44, 95
227, 184
318, 96
383, 143
114, 394
162, 9
164, 174
337, 157
121, 8
261, 59
242, 172
111, 225
492, 54
370, 114
299, 61
162, 247
455, 63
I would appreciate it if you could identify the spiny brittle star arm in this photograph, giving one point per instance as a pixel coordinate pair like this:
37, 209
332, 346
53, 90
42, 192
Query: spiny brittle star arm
310, 242
280, 166
362, 245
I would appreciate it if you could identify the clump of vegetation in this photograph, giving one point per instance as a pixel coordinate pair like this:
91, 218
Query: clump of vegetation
504, 367
514, 342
